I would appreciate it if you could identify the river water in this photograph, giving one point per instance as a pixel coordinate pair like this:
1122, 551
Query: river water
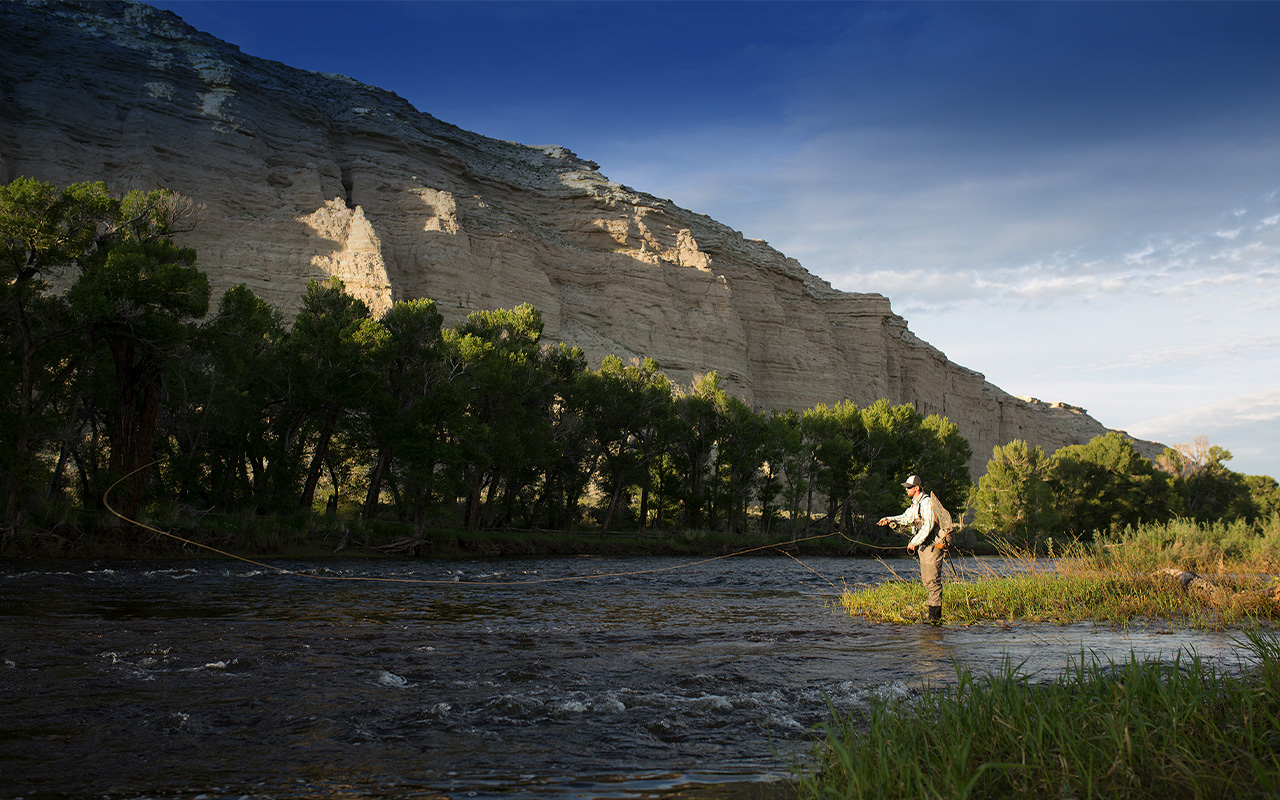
634, 678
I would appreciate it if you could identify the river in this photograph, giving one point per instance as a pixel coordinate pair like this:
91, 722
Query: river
514, 678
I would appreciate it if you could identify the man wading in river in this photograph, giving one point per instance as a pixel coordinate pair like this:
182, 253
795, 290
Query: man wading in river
921, 519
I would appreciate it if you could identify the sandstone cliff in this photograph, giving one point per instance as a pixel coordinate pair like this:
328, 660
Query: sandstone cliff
305, 175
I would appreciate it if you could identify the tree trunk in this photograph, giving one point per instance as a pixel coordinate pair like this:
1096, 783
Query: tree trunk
808, 507
317, 461
380, 468
138, 388
613, 506
473, 501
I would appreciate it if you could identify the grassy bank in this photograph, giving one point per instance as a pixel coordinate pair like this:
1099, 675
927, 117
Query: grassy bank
1065, 598
1118, 579
1134, 730
1212, 549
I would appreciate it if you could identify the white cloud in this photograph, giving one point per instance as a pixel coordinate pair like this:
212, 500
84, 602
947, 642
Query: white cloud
1142, 255
1228, 413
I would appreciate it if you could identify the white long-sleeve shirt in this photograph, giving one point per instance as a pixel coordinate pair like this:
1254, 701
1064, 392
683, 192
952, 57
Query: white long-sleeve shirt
919, 516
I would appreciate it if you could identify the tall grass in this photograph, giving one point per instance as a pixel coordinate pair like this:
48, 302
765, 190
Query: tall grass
1060, 599
1134, 730
1217, 548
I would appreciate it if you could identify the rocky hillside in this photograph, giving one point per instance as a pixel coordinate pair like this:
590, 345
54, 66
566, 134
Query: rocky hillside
306, 175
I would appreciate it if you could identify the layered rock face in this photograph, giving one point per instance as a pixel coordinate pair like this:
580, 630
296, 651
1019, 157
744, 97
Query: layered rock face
305, 175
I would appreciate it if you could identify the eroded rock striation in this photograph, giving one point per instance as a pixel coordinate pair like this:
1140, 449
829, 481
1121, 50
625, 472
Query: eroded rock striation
305, 175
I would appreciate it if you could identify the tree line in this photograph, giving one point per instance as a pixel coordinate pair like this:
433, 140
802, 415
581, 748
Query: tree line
116, 376
122, 378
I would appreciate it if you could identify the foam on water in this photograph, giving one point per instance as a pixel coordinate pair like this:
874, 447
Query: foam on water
391, 679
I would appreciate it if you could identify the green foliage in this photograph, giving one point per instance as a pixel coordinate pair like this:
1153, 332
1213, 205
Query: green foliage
781, 470
832, 434
1106, 484
1264, 496
698, 411
481, 425
45, 230
129, 310
1014, 496
1119, 578
45, 233
329, 361
633, 414
1218, 547
406, 406
861, 456
215, 431
1068, 595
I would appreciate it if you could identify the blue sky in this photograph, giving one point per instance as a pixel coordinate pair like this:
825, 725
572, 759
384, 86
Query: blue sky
1080, 200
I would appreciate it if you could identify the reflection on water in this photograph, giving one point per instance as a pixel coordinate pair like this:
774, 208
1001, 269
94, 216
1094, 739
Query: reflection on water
128, 679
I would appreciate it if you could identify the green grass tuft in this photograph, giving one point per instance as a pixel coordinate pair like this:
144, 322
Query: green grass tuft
1133, 730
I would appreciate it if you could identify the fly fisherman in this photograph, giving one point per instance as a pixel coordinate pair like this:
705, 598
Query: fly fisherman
920, 518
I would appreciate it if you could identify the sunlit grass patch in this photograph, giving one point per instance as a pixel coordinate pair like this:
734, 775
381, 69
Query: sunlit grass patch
1049, 597
1117, 579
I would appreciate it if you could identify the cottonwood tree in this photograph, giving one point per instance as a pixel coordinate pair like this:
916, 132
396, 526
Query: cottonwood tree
1264, 492
1207, 488
508, 385
138, 294
1013, 497
404, 406
218, 403
862, 455
331, 349
740, 457
1107, 484
46, 233
698, 415
782, 452
833, 434
630, 406
898, 442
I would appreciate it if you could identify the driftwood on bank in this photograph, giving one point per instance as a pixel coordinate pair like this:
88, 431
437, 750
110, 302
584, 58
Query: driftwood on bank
1211, 593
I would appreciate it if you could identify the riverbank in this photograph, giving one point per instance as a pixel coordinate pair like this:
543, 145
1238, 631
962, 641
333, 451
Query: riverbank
1130, 730
310, 535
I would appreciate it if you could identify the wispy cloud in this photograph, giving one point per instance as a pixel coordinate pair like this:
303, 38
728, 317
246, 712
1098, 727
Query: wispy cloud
1258, 346
1231, 412
1239, 263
